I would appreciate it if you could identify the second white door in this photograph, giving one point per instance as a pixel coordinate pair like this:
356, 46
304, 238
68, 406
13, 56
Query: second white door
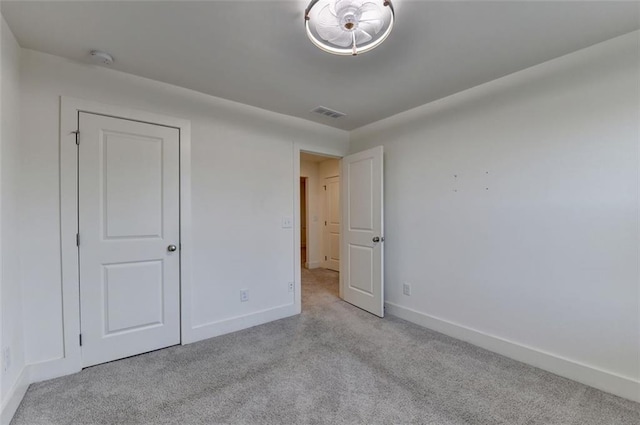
332, 223
128, 209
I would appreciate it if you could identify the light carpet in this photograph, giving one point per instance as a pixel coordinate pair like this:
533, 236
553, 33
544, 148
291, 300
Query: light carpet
333, 364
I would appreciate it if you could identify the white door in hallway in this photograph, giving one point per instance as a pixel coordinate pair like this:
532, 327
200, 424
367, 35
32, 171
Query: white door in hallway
361, 272
128, 213
332, 223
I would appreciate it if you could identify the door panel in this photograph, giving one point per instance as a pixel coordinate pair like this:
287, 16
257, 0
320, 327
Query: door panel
360, 274
361, 271
139, 284
332, 227
334, 249
128, 205
360, 195
132, 162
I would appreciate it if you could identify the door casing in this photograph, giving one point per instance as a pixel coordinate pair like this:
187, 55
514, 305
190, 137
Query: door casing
70, 360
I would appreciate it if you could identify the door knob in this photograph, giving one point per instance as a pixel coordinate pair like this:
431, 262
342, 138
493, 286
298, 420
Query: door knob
376, 239
171, 248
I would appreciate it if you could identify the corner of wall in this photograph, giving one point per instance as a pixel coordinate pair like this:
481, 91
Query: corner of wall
12, 399
604, 380
566, 107
15, 379
234, 324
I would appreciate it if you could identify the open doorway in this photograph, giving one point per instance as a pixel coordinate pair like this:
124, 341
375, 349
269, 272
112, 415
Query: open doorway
360, 220
319, 220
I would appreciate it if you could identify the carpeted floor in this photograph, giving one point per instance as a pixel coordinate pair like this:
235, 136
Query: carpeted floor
334, 364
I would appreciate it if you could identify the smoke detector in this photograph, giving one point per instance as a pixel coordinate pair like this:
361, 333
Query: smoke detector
100, 57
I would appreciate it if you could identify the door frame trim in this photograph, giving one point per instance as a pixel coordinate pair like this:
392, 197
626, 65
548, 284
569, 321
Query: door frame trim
71, 360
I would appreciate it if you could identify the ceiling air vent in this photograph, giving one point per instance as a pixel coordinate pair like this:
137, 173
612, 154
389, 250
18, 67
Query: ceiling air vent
328, 112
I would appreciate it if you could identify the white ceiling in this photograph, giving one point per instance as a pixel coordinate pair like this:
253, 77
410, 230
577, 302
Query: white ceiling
257, 53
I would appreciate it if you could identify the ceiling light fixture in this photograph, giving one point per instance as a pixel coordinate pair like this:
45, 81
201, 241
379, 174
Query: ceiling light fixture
349, 27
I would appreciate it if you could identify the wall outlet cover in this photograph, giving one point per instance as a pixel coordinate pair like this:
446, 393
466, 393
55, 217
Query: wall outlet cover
244, 295
6, 358
406, 289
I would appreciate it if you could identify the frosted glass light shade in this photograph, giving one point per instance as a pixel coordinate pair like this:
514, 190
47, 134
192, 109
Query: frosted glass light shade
349, 27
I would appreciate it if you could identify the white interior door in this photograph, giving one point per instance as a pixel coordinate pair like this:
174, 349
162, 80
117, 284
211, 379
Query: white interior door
303, 211
361, 273
128, 210
332, 223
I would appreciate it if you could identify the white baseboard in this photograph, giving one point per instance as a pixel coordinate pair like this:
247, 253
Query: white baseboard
610, 382
213, 329
54, 368
15, 395
66, 366
314, 264
63, 366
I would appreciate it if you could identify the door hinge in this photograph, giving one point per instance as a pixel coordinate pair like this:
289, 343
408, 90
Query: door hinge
77, 239
325, 222
80, 339
325, 187
325, 258
77, 133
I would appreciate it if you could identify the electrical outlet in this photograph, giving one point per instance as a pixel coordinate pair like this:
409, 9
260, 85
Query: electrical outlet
244, 295
291, 287
406, 289
6, 358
